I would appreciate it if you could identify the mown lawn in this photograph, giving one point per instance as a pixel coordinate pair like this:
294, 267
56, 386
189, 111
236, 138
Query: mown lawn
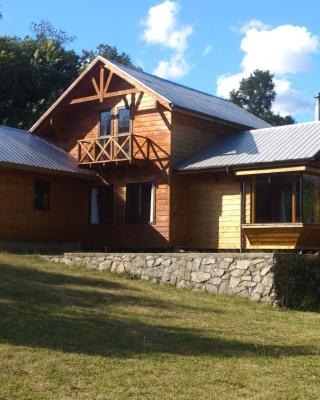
72, 333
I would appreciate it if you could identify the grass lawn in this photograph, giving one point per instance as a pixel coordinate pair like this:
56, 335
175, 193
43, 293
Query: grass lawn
71, 333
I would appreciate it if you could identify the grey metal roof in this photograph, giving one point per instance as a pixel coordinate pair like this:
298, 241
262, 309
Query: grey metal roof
190, 99
26, 149
276, 144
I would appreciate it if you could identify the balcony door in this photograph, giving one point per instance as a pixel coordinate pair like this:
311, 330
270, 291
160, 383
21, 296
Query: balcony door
105, 132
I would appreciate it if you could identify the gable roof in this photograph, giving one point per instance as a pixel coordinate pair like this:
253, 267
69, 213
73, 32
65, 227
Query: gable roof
23, 149
276, 144
176, 95
186, 98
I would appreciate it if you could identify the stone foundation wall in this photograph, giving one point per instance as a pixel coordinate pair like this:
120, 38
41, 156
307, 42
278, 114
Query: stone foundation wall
242, 274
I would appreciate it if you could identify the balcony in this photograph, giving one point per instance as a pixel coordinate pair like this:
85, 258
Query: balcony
124, 147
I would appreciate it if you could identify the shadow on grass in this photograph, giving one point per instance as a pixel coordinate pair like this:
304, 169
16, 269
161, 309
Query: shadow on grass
37, 310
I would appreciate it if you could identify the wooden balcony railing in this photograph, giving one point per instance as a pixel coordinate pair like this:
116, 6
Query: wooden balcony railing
106, 149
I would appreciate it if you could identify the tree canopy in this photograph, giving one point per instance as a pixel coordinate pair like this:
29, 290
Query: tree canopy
36, 69
257, 94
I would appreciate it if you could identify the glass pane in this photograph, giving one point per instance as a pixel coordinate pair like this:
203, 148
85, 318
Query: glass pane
274, 198
311, 199
102, 205
105, 123
42, 195
139, 203
123, 120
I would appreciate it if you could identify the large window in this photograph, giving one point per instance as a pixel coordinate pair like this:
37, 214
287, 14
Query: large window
140, 203
124, 120
41, 195
105, 126
102, 204
273, 199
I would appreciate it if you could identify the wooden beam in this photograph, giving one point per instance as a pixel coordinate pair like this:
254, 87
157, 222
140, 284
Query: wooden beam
107, 95
107, 83
253, 201
84, 99
95, 85
298, 168
101, 84
294, 201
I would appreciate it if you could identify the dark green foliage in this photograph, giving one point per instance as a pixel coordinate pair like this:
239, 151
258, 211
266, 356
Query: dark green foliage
35, 71
104, 50
256, 94
297, 281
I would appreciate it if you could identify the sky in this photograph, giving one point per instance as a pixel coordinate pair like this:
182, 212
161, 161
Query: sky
205, 44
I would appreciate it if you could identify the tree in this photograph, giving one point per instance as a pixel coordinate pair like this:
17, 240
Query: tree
256, 94
35, 70
33, 73
107, 51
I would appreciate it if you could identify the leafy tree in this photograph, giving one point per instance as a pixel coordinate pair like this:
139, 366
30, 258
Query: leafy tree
35, 70
107, 51
256, 94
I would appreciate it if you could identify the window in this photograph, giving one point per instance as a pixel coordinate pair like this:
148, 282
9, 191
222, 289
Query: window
124, 117
102, 204
140, 203
273, 199
105, 123
41, 195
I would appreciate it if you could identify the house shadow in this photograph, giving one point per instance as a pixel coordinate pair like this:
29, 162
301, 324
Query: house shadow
59, 311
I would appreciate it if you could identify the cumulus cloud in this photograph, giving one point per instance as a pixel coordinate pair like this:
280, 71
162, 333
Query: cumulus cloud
162, 28
283, 50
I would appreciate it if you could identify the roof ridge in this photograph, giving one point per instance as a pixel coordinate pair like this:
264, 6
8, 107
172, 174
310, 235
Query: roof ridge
282, 126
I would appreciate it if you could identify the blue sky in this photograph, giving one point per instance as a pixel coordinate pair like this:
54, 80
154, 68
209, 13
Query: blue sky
206, 44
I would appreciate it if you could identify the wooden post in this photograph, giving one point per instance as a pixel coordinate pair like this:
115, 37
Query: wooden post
294, 201
253, 201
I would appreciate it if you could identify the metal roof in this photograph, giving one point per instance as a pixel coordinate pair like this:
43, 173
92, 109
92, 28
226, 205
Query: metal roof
276, 144
190, 99
26, 149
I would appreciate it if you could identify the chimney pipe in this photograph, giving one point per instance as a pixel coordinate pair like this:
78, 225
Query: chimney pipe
317, 106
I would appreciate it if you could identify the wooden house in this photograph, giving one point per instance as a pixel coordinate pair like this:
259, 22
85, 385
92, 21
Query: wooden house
127, 160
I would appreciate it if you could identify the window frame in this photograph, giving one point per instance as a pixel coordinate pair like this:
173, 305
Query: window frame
112, 122
152, 204
35, 206
118, 108
113, 208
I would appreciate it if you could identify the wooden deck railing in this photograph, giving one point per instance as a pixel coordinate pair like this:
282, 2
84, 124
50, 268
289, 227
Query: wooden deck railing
121, 147
105, 149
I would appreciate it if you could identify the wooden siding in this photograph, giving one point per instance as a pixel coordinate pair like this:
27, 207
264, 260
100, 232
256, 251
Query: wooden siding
206, 211
66, 221
191, 134
142, 236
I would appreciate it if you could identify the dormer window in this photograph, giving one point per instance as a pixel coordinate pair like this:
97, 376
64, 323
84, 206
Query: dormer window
124, 120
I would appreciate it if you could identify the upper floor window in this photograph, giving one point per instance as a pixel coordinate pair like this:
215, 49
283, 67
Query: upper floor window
41, 195
124, 120
105, 125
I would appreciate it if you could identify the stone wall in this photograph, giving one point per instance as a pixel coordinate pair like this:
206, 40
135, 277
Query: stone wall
242, 274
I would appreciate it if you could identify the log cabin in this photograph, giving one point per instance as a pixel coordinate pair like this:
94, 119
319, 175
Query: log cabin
127, 160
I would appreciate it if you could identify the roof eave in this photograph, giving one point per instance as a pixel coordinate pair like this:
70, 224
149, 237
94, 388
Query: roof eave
236, 167
216, 119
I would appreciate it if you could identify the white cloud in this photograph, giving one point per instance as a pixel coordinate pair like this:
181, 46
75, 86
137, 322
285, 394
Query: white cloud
286, 49
162, 28
207, 50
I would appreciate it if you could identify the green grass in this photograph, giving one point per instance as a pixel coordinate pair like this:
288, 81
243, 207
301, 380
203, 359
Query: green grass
71, 333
